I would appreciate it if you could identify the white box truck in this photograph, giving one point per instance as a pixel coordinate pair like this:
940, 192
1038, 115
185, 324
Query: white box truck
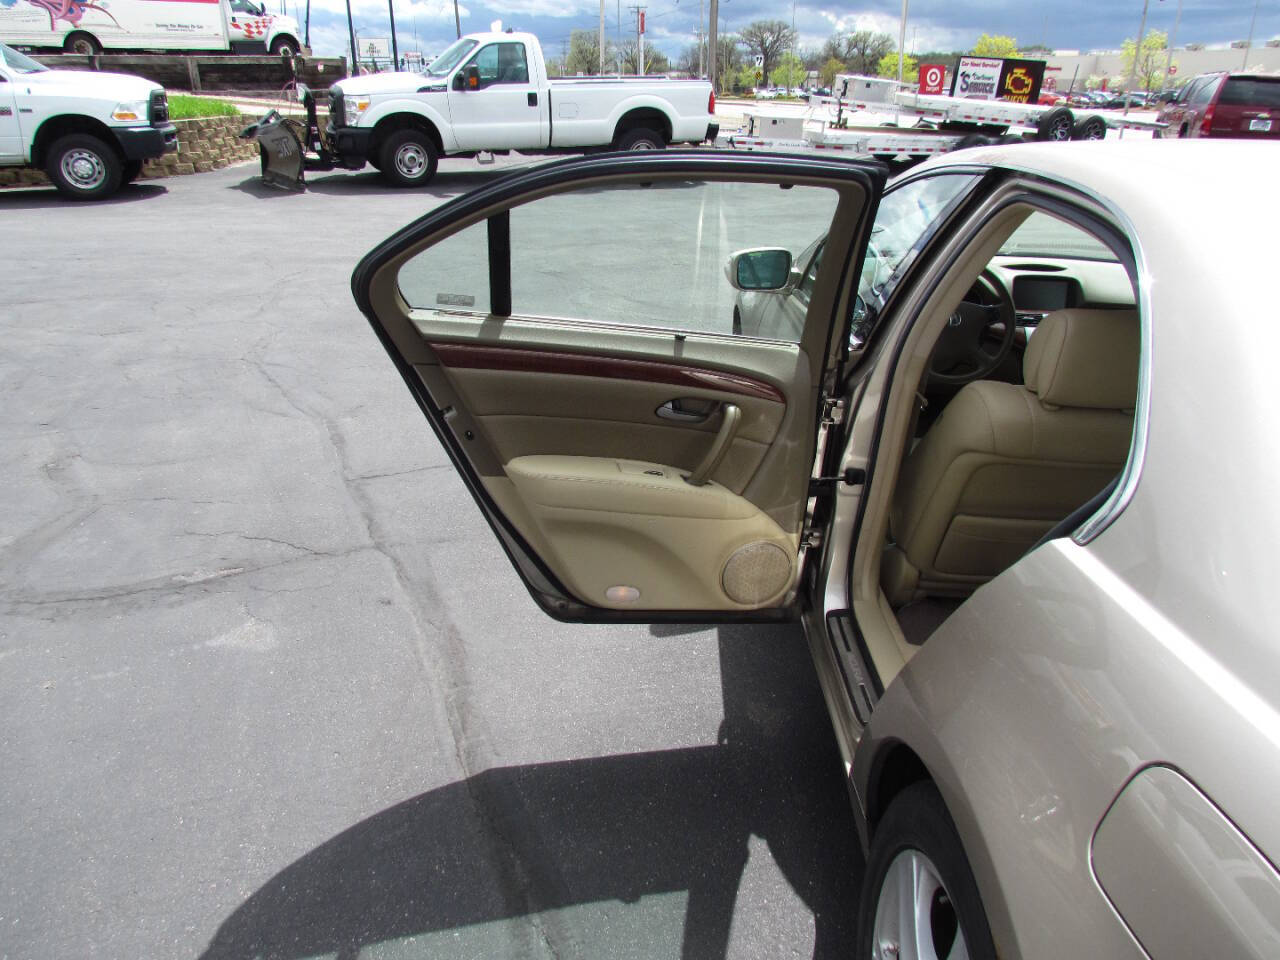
92, 26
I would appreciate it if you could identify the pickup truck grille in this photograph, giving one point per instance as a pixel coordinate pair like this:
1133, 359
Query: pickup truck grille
336, 116
158, 108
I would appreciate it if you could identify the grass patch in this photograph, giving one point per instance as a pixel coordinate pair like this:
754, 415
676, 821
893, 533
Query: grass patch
185, 107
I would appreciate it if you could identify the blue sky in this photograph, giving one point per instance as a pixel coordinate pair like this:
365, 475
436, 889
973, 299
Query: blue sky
673, 24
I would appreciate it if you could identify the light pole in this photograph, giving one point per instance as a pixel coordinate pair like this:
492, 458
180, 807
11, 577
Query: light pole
395, 51
1133, 69
355, 54
1244, 64
713, 40
457, 21
1168, 61
902, 40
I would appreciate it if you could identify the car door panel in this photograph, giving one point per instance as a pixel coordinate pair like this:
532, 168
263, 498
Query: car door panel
578, 436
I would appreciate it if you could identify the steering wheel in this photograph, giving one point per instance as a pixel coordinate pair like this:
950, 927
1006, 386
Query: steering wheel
958, 357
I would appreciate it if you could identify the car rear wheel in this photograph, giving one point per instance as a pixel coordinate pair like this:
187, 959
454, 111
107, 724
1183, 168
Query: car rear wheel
83, 167
919, 898
409, 158
642, 138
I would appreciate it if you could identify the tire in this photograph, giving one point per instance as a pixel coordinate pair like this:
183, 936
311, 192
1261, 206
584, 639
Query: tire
130, 170
916, 844
972, 140
284, 47
84, 44
408, 158
1090, 128
1056, 124
83, 167
642, 138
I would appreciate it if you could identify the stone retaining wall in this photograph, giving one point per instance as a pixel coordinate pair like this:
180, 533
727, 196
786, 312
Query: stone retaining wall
204, 144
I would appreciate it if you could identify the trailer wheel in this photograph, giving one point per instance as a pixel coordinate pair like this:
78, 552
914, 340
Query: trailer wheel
642, 138
85, 44
972, 140
82, 167
1056, 124
1090, 128
409, 158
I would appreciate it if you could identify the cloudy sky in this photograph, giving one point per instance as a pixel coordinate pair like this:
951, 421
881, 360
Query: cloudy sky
672, 25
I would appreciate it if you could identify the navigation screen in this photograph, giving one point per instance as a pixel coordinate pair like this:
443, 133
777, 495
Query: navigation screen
1041, 294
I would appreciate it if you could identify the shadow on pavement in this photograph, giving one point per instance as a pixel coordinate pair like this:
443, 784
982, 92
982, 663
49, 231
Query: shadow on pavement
359, 183
37, 198
519, 841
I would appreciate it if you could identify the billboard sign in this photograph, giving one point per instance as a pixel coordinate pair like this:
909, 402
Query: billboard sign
994, 78
932, 76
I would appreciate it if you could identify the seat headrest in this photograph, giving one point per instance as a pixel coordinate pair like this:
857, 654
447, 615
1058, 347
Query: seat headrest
1084, 358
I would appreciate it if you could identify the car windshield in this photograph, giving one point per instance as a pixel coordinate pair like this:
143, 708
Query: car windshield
445, 63
20, 62
1044, 236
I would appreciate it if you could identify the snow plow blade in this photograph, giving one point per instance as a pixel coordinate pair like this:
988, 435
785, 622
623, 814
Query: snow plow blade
280, 145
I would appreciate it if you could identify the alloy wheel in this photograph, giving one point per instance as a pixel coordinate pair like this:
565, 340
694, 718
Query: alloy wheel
915, 918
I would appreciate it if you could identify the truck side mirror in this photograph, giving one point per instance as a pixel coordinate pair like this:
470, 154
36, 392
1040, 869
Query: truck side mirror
473, 77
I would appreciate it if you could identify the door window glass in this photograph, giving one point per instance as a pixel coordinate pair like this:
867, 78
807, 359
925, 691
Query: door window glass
1204, 93
502, 63
641, 255
1241, 92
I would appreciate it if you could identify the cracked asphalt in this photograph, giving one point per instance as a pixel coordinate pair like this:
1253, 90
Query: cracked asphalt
268, 686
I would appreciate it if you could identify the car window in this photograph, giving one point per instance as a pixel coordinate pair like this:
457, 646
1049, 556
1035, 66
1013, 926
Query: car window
502, 63
804, 289
1204, 93
651, 255
1041, 235
1251, 92
453, 56
20, 62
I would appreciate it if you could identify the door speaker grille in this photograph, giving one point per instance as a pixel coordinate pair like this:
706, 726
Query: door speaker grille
756, 572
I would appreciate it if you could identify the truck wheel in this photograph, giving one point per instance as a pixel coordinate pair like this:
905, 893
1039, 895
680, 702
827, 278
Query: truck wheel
1090, 128
1056, 124
85, 44
284, 47
82, 167
409, 158
129, 172
641, 138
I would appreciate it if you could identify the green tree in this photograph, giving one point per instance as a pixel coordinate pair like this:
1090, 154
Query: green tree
790, 72
888, 67
995, 45
859, 50
1148, 71
584, 53
746, 77
655, 61
828, 71
769, 39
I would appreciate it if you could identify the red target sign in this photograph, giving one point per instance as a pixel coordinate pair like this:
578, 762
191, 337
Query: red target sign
932, 76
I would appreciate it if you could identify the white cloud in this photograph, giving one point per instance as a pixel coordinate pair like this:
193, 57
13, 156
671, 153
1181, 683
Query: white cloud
540, 8
405, 9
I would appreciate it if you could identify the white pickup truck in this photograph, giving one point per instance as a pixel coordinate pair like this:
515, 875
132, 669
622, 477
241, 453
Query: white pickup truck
90, 132
486, 92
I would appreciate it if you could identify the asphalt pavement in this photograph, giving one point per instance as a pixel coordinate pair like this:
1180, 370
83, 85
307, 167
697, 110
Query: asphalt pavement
268, 685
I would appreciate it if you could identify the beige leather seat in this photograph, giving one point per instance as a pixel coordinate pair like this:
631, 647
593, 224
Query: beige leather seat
1005, 462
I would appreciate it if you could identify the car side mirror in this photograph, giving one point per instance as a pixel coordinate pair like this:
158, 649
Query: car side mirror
765, 268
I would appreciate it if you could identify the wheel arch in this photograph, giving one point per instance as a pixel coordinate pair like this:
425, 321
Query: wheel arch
66, 123
896, 766
643, 116
285, 35
401, 120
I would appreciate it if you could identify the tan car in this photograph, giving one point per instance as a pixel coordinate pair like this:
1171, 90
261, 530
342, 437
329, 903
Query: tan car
1008, 454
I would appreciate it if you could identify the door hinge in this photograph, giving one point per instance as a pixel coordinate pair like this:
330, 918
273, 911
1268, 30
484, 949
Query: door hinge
832, 411
810, 539
853, 476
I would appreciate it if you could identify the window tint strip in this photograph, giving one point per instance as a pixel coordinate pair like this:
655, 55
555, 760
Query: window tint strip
500, 264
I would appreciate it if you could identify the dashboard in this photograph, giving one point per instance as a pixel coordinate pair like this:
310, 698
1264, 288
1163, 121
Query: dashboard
1040, 285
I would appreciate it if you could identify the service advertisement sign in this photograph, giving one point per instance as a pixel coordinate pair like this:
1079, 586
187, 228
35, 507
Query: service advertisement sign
932, 76
1020, 80
977, 78
994, 78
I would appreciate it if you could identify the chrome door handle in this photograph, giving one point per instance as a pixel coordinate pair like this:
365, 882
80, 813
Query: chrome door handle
686, 410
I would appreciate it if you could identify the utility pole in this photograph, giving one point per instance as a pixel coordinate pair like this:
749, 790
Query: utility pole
1244, 64
602, 38
639, 12
457, 21
618, 37
1133, 70
307, 39
713, 41
902, 40
395, 51
351, 29
702, 39
1168, 61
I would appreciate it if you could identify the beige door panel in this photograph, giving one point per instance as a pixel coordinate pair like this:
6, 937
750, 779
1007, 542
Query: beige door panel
624, 533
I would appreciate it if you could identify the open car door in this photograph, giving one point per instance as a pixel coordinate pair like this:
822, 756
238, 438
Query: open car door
568, 332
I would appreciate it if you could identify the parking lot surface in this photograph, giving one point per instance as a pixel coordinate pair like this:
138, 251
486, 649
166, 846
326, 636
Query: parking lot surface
268, 686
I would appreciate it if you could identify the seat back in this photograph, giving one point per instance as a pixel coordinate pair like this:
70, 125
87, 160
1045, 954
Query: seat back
1005, 462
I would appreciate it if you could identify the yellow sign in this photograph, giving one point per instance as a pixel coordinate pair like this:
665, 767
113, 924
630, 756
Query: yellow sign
1017, 85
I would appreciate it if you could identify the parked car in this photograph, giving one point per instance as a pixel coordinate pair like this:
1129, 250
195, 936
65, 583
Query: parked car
1237, 105
90, 132
1016, 487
